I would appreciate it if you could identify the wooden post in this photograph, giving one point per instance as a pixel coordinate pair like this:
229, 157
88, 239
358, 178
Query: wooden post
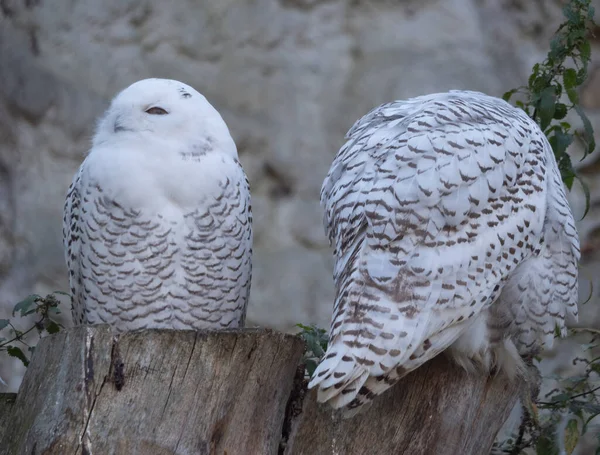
153, 392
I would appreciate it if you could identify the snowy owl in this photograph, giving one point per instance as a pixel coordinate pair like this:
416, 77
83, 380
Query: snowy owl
451, 231
157, 222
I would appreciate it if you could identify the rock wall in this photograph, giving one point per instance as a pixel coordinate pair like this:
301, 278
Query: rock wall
289, 77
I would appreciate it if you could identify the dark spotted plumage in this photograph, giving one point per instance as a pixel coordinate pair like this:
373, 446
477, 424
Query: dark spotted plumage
451, 231
157, 222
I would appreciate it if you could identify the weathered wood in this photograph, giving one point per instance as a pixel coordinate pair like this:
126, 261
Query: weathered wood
436, 410
180, 393
7, 401
170, 392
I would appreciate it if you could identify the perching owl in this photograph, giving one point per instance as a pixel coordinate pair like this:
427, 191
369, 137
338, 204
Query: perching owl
451, 232
157, 222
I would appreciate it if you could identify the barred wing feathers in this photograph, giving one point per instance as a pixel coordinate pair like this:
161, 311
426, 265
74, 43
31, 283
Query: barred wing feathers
431, 207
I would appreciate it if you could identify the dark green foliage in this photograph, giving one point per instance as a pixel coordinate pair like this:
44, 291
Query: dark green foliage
44, 308
568, 409
316, 344
560, 75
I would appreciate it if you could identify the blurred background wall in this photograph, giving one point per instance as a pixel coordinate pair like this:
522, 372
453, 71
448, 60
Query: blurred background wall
289, 77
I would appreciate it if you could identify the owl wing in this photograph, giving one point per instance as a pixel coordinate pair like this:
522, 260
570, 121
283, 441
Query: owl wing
72, 244
430, 205
543, 291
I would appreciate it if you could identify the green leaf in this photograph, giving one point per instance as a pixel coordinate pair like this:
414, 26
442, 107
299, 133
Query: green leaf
311, 366
24, 305
586, 51
507, 96
52, 327
588, 131
303, 327
313, 344
571, 436
560, 111
4, 323
545, 446
546, 107
560, 142
570, 81
586, 192
534, 72
14, 351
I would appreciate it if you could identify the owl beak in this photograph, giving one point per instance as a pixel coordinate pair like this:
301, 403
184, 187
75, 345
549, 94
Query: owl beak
119, 125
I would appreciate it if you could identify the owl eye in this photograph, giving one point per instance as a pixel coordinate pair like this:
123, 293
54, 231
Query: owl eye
156, 111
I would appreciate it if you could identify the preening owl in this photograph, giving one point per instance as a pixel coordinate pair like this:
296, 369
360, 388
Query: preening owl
157, 222
451, 231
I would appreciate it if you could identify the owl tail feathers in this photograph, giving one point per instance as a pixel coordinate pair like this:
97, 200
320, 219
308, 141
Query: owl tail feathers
344, 384
339, 378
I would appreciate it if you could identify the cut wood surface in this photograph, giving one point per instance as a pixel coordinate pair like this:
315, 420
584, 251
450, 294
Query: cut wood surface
180, 393
153, 392
438, 409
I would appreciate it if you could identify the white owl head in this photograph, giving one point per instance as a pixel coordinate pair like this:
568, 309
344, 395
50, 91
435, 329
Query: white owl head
163, 109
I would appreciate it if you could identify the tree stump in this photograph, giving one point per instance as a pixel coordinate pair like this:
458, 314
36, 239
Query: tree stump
438, 409
88, 391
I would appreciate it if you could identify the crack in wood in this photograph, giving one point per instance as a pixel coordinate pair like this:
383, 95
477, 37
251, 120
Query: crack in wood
293, 408
117, 365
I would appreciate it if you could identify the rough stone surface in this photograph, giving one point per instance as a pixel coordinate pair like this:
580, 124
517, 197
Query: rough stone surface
289, 76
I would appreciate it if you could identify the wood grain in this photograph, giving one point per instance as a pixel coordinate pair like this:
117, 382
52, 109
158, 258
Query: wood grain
154, 392
181, 392
438, 409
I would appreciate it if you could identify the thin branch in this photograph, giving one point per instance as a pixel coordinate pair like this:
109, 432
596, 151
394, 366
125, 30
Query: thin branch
553, 403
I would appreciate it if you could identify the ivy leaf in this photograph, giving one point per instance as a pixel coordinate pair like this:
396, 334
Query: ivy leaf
14, 351
4, 323
571, 436
24, 306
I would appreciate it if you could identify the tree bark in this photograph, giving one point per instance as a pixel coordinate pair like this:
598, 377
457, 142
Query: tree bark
88, 391
7, 401
438, 409
154, 392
